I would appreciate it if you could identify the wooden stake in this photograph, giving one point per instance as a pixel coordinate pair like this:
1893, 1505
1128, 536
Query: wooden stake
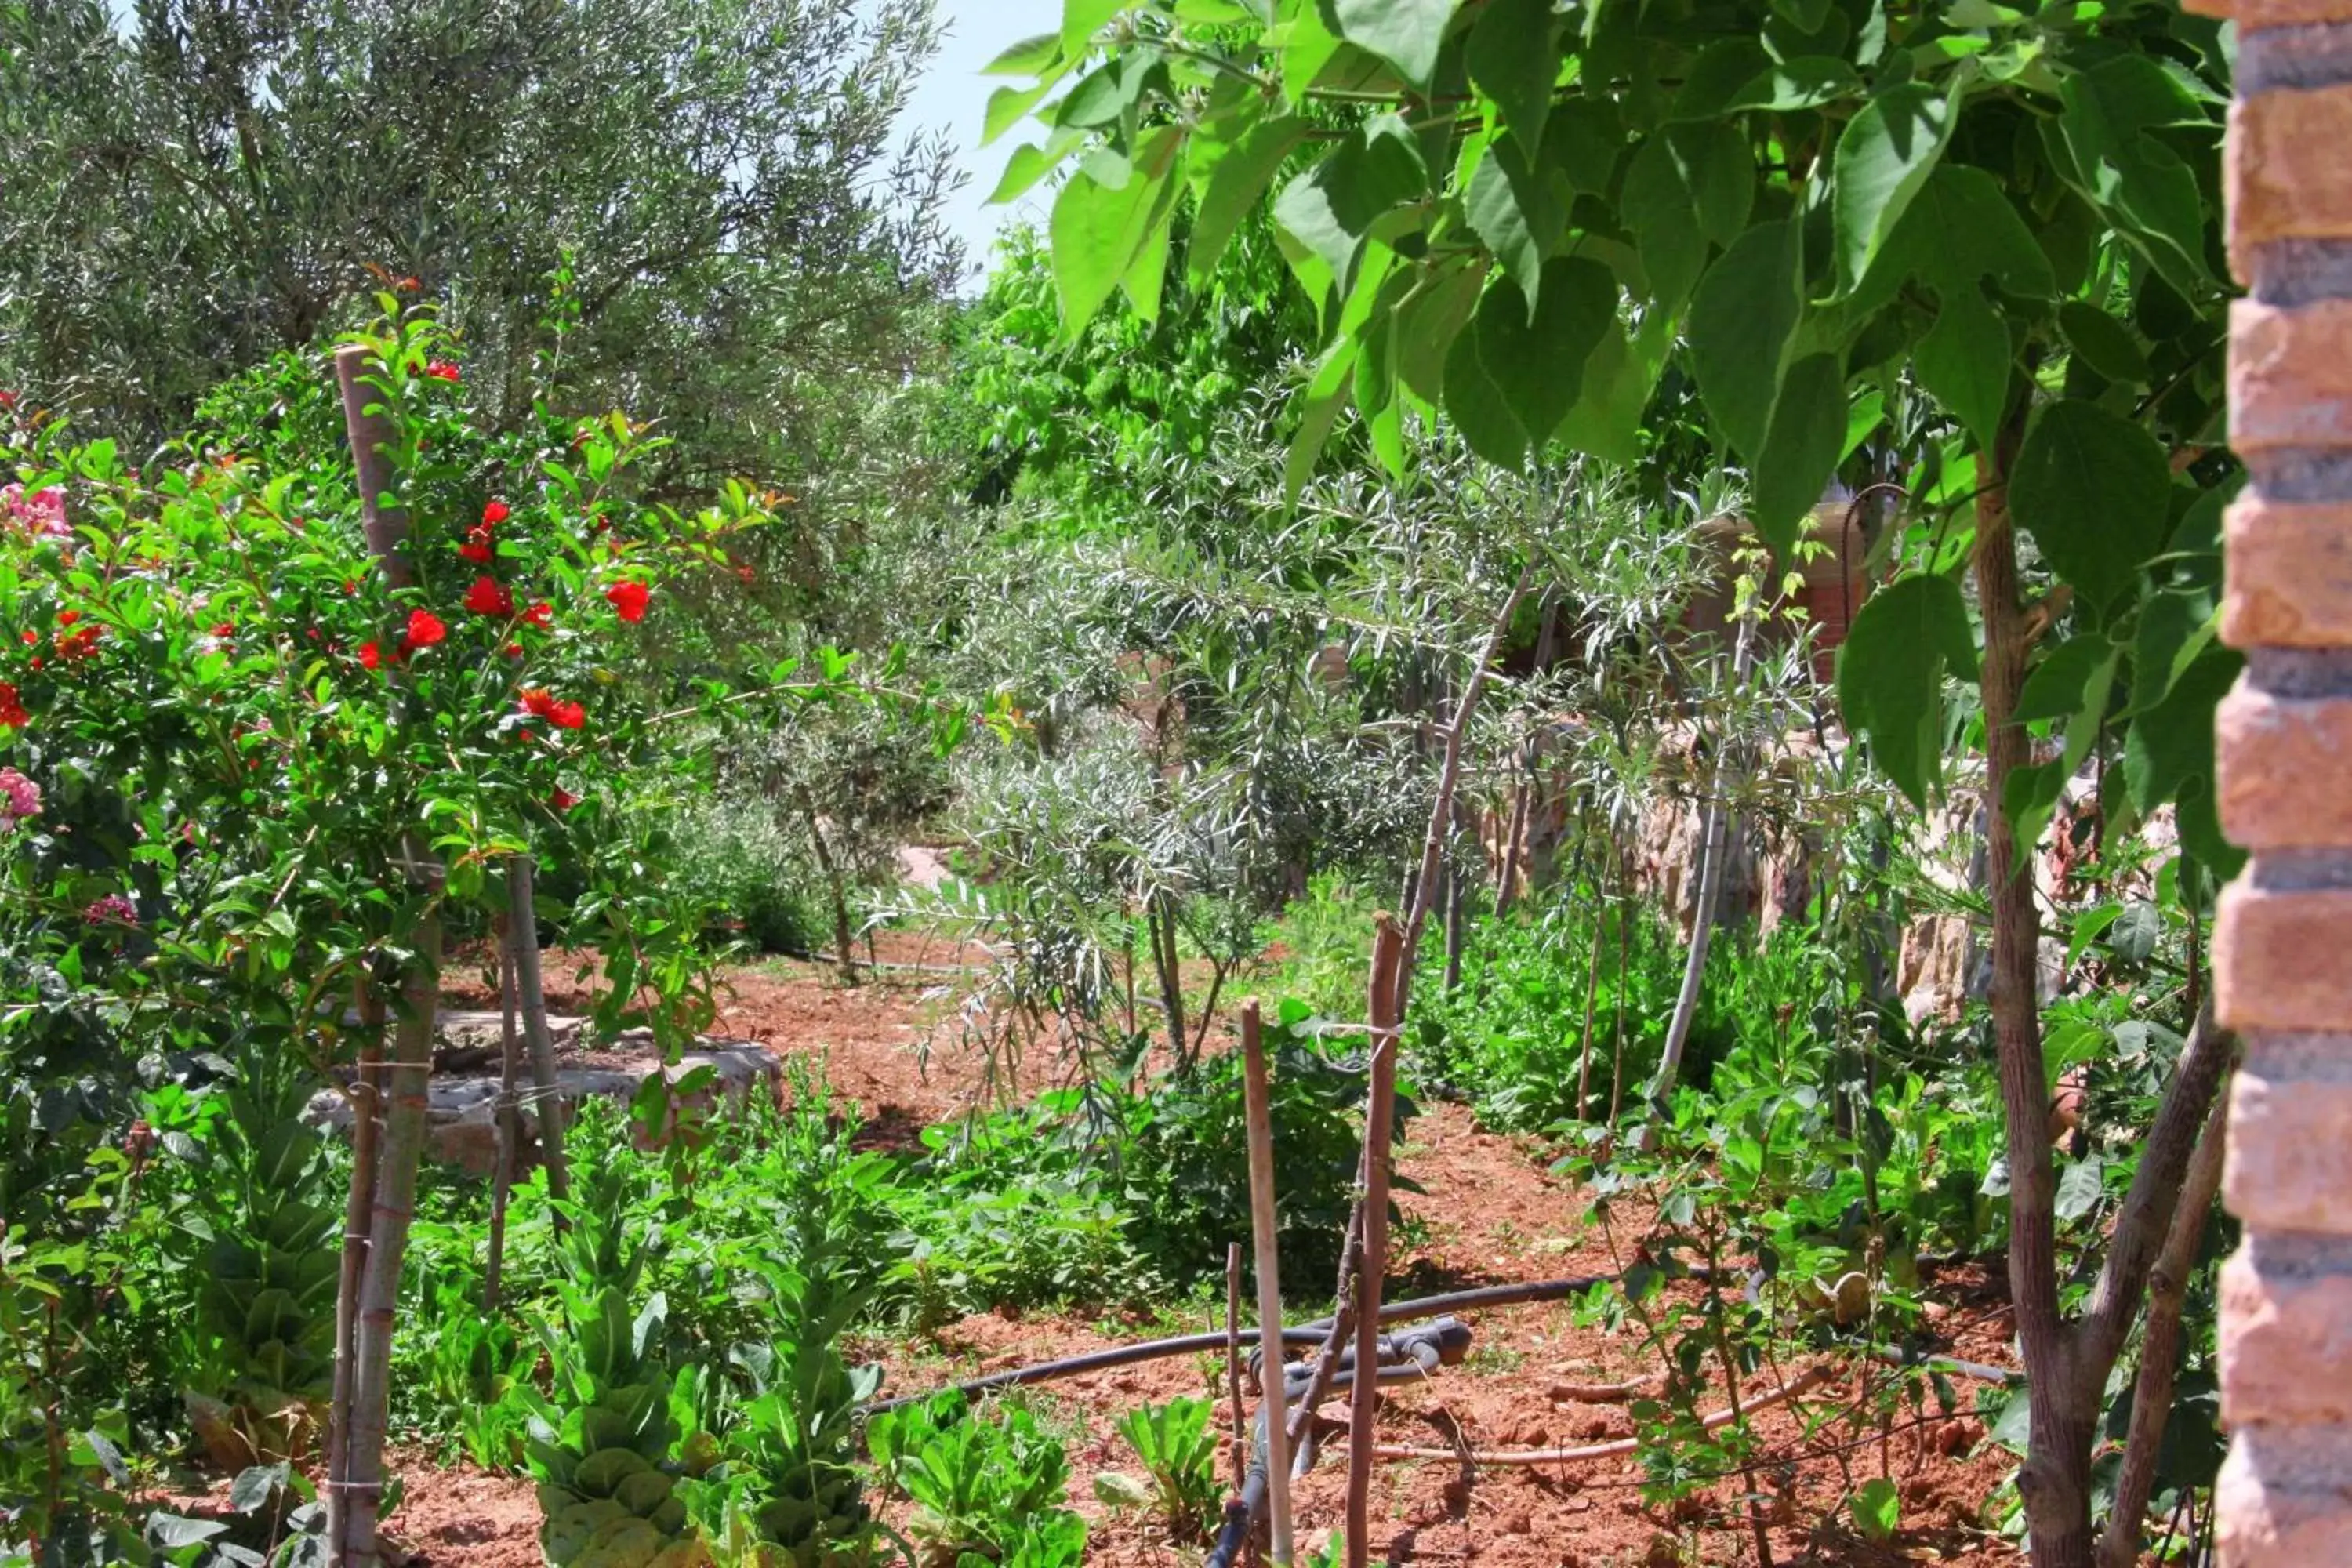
510, 1130
1265, 1233
523, 946
1383, 1018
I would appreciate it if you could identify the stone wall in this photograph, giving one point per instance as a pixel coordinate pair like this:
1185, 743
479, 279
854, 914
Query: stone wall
2283, 941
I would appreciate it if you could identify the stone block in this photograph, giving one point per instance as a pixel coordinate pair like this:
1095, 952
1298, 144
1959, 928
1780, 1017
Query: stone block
2290, 376
2286, 1343
2284, 769
2283, 959
2284, 168
2290, 1163
2289, 578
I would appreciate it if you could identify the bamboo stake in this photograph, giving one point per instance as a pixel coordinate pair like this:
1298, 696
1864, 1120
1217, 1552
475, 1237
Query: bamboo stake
1388, 959
1265, 1235
355, 1481
367, 1110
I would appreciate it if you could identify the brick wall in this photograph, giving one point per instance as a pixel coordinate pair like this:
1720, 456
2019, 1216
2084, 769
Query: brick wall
2283, 943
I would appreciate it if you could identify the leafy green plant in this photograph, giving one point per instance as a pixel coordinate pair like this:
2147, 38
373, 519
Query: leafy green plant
785, 1491
988, 1485
605, 1443
266, 1268
1177, 1447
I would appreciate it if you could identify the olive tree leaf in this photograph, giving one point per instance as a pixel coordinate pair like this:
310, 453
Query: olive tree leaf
1405, 33
1513, 57
1802, 448
1890, 677
1741, 322
2093, 489
1883, 158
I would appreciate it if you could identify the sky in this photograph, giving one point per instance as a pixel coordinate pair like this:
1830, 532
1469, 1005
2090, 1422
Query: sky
953, 96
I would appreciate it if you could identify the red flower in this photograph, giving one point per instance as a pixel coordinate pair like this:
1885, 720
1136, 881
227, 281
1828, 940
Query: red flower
563, 799
441, 370
408, 285
489, 596
567, 715
68, 618
513, 650
79, 645
495, 514
226, 629
29, 637
538, 700
371, 656
628, 599
540, 614
475, 551
7, 400
12, 711
425, 628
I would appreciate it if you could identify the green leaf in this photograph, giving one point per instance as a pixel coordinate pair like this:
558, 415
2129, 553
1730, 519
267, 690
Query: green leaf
1513, 57
1027, 57
1538, 366
1478, 408
1427, 325
2170, 745
2053, 687
1330, 208
1883, 158
2175, 627
1686, 186
1618, 380
1741, 321
1237, 178
1903, 641
1307, 46
2143, 187
1006, 105
1877, 1509
2093, 489
1030, 164
1512, 208
1964, 361
1959, 230
1326, 398
2104, 343
1106, 98
1801, 449
1405, 33
1807, 81
1103, 217
1722, 70
2080, 1188
1082, 19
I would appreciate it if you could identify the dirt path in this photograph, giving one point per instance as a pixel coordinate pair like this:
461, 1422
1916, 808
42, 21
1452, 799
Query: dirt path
1489, 1212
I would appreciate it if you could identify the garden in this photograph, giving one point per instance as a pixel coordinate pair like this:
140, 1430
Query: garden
1528, 703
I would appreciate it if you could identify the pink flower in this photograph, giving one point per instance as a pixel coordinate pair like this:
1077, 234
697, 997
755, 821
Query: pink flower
19, 797
41, 514
113, 909
441, 370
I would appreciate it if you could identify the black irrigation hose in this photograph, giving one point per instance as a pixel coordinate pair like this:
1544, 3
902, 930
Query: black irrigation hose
1096, 1361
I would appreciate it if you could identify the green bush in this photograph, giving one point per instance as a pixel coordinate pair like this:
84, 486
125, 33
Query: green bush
746, 864
989, 1487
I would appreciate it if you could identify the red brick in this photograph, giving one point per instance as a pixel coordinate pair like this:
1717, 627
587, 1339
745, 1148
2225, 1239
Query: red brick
2287, 1345
2290, 1163
2270, 1525
2283, 960
2286, 771
2290, 376
2252, 15
2289, 583
2283, 163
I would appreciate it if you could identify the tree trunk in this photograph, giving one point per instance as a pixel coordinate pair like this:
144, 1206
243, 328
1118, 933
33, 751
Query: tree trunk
1168, 960
1625, 960
1591, 999
1507, 885
843, 955
523, 947
2159, 1351
1457, 913
1713, 852
2056, 1480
